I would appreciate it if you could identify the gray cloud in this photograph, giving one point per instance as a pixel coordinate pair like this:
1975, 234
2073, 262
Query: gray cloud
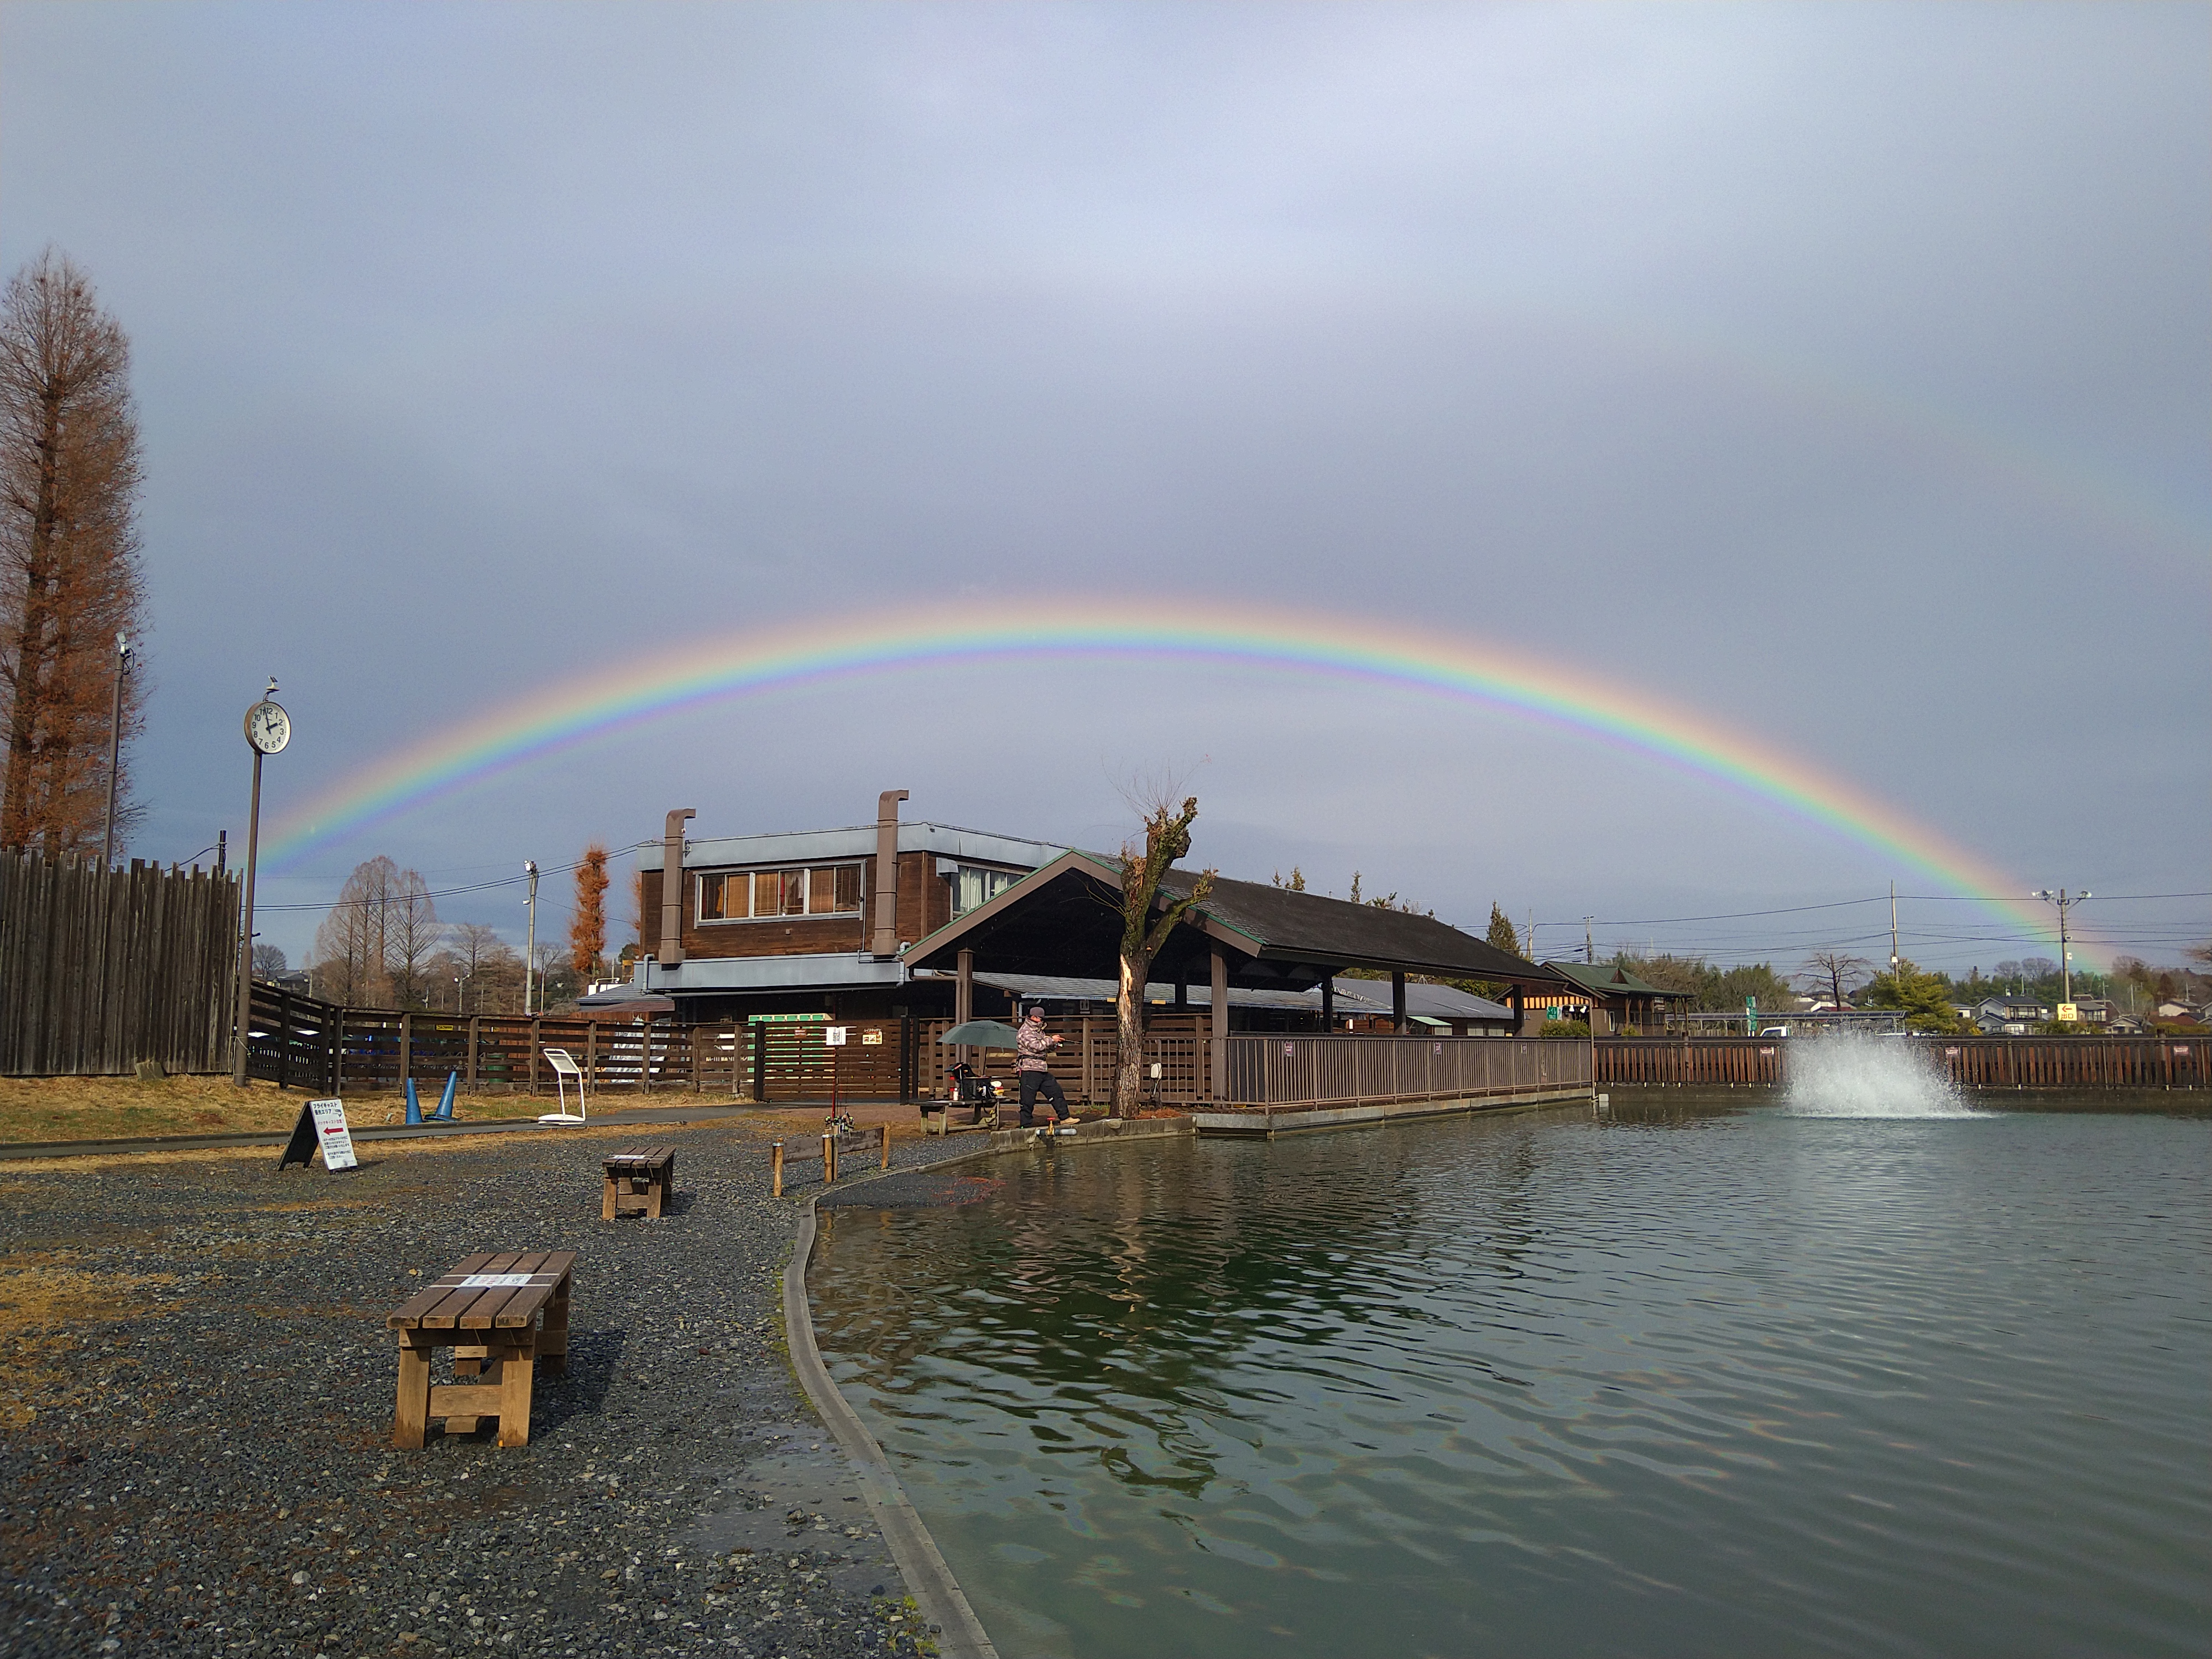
1840, 372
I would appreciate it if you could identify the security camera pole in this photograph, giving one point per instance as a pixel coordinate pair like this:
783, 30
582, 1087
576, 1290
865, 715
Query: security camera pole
268, 729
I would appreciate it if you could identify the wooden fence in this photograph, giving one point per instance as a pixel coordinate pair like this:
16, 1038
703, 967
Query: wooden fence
102, 968
2081, 1062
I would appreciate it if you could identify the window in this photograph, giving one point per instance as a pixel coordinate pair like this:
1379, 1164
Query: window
972, 887
827, 890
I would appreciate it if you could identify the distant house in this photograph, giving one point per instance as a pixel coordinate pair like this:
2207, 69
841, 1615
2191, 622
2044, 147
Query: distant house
2009, 1016
2093, 1010
1608, 996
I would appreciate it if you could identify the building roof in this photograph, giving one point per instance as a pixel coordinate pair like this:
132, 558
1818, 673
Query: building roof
858, 842
1352, 996
1065, 919
1607, 979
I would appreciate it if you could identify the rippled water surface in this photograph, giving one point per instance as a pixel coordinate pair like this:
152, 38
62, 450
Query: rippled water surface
1706, 1379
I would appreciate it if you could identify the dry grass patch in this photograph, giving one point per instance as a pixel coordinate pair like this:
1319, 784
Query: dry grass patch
47, 1306
122, 1108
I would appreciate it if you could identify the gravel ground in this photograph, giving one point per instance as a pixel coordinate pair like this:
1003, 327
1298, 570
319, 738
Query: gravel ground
196, 1415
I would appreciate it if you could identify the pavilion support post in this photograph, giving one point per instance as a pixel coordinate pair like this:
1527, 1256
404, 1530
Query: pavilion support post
964, 1002
1398, 1002
1219, 1032
1327, 1003
1520, 1011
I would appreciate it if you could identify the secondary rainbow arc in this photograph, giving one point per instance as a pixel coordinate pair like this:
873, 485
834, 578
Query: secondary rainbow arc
599, 703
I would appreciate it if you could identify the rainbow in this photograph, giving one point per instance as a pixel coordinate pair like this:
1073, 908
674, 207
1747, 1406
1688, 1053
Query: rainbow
630, 694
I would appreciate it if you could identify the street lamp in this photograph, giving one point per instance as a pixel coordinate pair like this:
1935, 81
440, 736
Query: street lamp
2065, 956
114, 750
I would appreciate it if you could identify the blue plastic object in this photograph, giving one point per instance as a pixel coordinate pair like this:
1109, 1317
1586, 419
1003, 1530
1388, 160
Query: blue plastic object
414, 1106
445, 1112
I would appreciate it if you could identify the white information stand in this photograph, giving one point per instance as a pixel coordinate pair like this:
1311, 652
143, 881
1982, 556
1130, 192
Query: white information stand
564, 1067
833, 1037
331, 1132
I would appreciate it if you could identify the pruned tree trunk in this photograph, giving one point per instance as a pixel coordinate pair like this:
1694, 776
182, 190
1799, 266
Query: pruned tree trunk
1167, 838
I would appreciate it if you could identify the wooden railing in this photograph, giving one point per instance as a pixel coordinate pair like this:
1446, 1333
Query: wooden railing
2081, 1062
1297, 1070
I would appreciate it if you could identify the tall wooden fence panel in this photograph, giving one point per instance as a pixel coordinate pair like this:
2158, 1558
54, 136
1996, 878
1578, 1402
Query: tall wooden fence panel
102, 968
1296, 1070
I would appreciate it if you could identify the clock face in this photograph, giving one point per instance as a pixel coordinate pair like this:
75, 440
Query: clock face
267, 727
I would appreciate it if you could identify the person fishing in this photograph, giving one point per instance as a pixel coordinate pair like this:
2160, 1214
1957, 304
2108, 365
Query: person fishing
1031, 1043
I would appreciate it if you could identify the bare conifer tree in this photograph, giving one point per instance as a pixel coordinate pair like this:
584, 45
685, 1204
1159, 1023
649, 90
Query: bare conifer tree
411, 938
587, 924
69, 555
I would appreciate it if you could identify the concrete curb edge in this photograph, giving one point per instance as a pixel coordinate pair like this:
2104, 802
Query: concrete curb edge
958, 1633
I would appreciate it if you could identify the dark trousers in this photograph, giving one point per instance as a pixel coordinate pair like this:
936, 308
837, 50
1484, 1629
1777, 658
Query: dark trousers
1042, 1083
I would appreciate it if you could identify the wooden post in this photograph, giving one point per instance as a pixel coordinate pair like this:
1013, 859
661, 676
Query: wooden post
284, 1022
338, 1051
828, 1158
883, 1137
475, 1022
1217, 1085
756, 1051
536, 1036
775, 1169
590, 1051
406, 1048
1088, 1096
645, 1053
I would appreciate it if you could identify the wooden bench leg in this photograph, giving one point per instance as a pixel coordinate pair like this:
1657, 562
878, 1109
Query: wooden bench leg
655, 1190
514, 1379
553, 1337
607, 1203
412, 1414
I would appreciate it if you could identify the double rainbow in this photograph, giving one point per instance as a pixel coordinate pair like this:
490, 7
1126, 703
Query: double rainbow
631, 693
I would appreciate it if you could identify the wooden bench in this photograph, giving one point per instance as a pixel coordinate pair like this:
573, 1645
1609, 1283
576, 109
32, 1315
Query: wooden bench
639, 1179
500, 1313
831, 1148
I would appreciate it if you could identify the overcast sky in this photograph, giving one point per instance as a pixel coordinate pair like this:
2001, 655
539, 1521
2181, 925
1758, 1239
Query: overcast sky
1844, 373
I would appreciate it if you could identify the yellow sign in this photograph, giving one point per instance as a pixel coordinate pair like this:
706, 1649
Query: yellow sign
2065, 1013
871, 1039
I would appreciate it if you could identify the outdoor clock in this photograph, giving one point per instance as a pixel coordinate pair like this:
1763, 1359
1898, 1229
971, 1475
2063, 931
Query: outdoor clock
267, 727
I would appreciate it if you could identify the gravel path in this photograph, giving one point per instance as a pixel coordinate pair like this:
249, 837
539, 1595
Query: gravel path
196, 1415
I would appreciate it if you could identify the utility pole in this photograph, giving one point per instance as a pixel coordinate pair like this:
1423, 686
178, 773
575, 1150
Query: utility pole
530, 950
114, 750
1895, 960
2065, 956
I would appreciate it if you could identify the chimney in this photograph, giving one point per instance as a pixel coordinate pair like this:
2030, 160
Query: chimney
671, 887
886, 940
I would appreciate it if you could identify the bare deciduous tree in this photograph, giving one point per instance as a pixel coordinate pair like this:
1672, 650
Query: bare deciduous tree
69, 555
1147, 919
349, 960
1836, 973
410, 938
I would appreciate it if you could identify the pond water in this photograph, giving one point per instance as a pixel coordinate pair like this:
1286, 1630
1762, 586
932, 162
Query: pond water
1710, 1376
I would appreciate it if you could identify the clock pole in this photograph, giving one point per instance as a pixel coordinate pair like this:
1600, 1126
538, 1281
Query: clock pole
245, 932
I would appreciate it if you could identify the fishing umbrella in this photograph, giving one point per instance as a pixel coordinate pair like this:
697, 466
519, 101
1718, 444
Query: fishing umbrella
981, 1033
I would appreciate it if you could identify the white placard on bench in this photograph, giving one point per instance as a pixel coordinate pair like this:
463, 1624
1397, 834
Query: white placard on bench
494, 1281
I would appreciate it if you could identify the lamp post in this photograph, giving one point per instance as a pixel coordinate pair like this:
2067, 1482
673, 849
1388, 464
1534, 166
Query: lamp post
2065, 956
268, 729
114, 750
530, 946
